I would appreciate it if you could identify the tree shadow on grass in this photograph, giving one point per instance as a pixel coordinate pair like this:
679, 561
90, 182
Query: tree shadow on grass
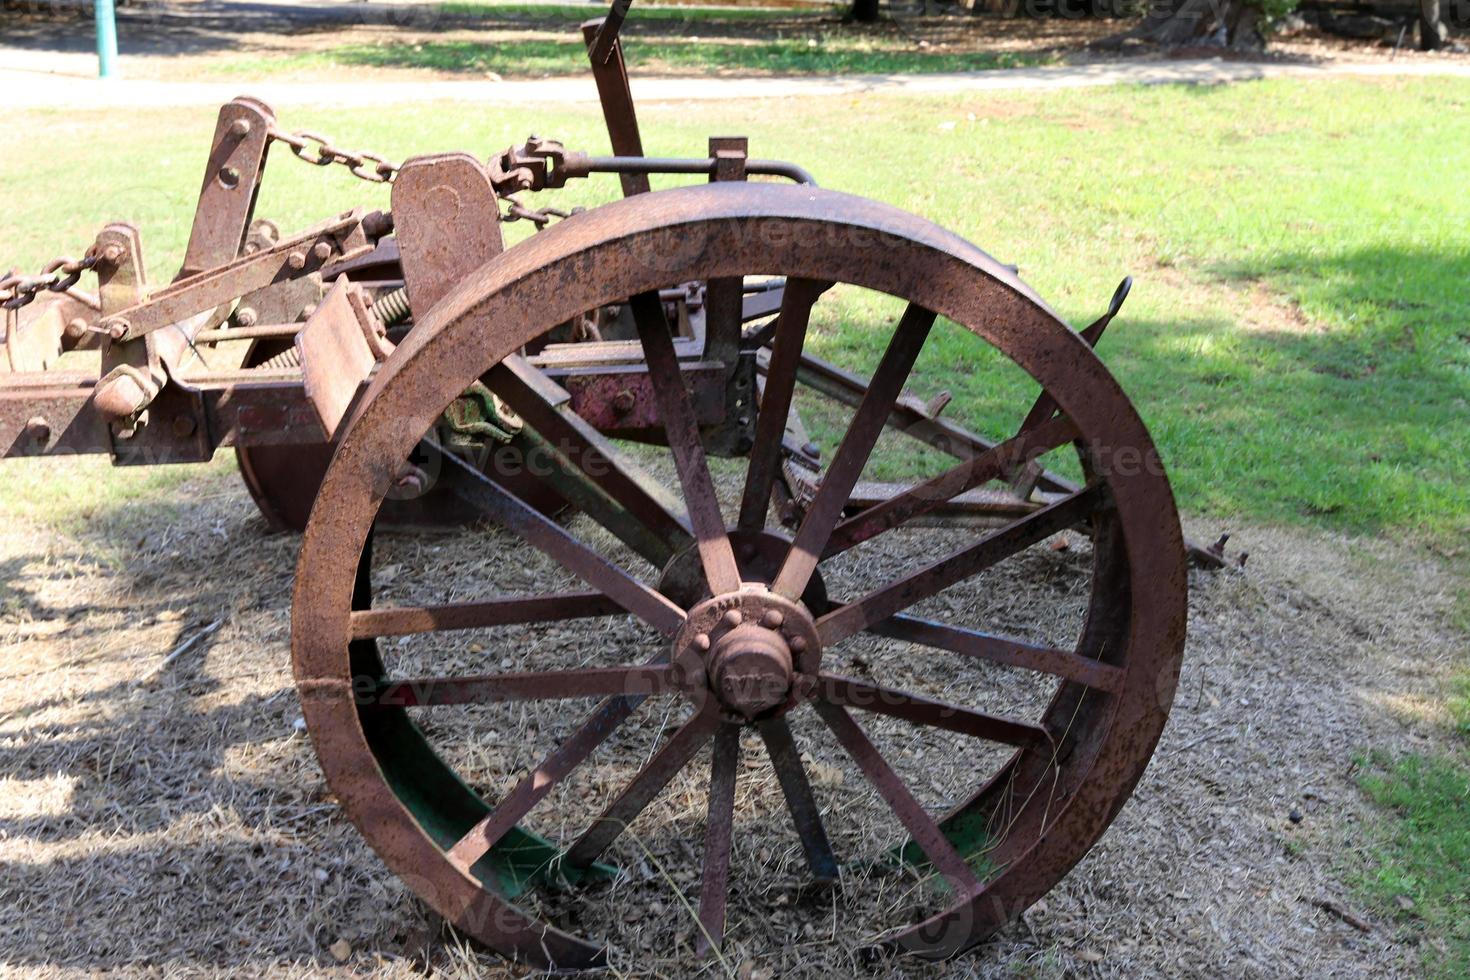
159, 812
1358, 423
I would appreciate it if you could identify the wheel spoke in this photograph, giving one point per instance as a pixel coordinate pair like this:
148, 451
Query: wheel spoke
715, 553
775, 402
541, 685
503, 611
857, 445
719, 828
513, 808
791, 774
542, 532
671, 757
879, 604
921, 827
909, 417
924, 497
906, 706
525, 390
1003, 650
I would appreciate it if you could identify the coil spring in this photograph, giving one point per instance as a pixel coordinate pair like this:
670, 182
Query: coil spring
284, 361
393, 308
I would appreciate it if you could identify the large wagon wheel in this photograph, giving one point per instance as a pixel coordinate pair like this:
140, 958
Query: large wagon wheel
738, 621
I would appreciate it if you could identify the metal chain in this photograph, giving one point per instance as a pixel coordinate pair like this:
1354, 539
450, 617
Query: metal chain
317, 149
540, 217
58, 276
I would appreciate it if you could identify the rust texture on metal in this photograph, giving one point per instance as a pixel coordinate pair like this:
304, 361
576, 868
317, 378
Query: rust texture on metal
381, 368
733, 646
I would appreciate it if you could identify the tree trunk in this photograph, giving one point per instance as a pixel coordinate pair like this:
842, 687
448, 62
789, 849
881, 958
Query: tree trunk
1234, 24
1432, 32
865, 11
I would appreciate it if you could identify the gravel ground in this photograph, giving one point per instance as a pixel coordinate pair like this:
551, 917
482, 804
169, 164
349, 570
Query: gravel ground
163, 816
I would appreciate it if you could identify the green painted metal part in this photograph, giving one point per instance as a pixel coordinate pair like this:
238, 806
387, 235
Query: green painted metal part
441, 803
968, 830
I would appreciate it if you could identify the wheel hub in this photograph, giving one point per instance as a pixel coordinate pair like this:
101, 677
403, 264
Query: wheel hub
745, 649
750, 670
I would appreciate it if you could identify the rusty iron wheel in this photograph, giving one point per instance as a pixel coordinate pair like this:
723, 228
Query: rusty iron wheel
751, 647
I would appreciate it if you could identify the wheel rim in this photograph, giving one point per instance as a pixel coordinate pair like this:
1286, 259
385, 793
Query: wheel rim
1094, 740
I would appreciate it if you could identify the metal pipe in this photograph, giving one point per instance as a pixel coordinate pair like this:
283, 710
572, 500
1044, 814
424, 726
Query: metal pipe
575, 167
267, 332
106, 38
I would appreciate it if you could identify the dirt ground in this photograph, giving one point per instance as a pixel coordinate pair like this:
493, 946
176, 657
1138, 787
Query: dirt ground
190, 40
162, 816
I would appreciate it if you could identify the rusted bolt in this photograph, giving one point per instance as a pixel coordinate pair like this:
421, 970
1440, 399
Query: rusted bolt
112, 254
813, 450
118, 329
321, 251
76, 327
773, 619
229, 176
797, 644
184, 426
38, 430
245, 317
734, 617
701, 641
296, 260
623, 402
240, 128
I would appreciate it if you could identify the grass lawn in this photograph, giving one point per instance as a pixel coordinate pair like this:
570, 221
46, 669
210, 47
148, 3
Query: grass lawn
819, 54
1298, 337
534, 40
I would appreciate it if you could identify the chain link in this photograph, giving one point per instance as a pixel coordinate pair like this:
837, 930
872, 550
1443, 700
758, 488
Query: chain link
317, 149
58, 276
61, 274
540, 217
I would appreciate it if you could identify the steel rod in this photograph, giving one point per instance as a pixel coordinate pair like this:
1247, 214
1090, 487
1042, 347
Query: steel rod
857, 446
897, 596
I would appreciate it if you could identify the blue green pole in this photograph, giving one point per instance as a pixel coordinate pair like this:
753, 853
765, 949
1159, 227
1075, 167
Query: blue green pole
106, 38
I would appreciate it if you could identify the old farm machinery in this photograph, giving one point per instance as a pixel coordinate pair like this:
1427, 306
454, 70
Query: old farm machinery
575, 392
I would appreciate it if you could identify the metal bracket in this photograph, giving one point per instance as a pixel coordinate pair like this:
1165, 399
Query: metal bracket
231, 183
336, 355
446, 219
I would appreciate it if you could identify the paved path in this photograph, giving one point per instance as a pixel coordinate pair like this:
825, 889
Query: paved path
27, 80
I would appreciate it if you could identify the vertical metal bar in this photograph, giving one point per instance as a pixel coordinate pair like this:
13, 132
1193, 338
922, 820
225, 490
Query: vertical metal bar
231, 184
106, 38
725, 299
611, 76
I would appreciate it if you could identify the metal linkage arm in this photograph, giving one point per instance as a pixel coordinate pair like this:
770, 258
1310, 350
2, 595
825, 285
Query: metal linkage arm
353, 234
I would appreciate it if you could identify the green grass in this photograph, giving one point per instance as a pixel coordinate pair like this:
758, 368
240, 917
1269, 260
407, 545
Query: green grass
1421, 859
1221, 202
518, 57
576, 13
792, 56
1460, 705
518, 40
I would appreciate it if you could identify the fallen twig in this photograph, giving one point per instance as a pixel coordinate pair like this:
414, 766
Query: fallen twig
1334, 908
184, 648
